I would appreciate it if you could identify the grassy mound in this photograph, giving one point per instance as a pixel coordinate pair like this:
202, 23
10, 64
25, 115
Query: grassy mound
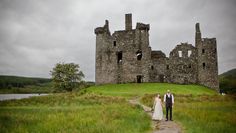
197, 108
131, 90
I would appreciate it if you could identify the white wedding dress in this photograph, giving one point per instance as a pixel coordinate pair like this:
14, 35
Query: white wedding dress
158, 113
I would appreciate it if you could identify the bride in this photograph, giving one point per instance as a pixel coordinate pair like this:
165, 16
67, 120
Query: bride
157, 106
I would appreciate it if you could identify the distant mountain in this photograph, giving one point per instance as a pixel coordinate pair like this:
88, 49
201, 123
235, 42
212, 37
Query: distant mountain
230, 73
228, 81
18, 81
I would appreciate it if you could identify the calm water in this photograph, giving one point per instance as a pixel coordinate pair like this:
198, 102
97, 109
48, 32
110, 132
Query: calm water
18, 96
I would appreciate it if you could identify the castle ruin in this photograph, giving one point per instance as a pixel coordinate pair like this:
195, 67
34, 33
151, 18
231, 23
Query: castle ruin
126, 57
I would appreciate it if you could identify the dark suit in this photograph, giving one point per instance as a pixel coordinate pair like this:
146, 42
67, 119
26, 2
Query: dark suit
169, 102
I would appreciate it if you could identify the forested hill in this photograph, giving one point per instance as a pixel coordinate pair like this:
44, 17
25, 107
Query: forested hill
230, 73
228, 81
17, 81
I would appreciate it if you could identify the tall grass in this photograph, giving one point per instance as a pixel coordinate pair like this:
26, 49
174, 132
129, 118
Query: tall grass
104, 109
198, 109
203, 113
72, 112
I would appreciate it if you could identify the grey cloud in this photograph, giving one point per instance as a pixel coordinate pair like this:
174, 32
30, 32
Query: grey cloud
37, 34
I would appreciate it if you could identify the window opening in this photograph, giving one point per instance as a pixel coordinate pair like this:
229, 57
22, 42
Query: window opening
203, 65
203, 51
167, 67
119, 57
189, 53
152, 67
139, 55
180, 53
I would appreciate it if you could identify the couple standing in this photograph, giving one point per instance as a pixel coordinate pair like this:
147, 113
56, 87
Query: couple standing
157, 106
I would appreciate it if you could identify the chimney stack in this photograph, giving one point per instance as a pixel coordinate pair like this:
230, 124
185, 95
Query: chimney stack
198, 35
198, 27
128, 21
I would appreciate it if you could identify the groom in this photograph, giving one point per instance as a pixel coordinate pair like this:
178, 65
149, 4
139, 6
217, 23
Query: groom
169, 101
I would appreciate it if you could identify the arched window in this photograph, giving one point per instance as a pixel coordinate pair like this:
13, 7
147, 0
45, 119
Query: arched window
139, 55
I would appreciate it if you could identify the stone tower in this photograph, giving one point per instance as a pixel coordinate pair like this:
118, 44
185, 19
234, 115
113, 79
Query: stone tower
207, 60
126, 56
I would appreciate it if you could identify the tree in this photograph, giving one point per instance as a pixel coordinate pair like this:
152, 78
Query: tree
66, 76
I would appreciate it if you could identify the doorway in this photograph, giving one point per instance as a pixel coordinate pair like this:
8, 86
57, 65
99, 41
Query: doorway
139, 78
161, 77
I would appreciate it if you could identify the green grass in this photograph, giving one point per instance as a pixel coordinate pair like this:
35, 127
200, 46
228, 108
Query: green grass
72, 112
131, 90
207, 117
203, 113
197, 108
104, 109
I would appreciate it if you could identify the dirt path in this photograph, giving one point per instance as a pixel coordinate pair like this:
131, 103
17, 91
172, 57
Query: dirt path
161, 126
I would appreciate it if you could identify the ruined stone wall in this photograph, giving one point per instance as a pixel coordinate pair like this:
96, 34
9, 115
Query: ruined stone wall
116, 54
125, 45
207, 60
207, 63
142, 44
125, 56
183, 64
158, 68
105, 58
130, 42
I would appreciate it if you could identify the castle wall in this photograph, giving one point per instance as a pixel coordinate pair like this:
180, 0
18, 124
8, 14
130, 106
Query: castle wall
183, 64
129, 42
105, 70
125, 56
116, 54
158, 68
105, 58
207, 60
125, 44
207, 63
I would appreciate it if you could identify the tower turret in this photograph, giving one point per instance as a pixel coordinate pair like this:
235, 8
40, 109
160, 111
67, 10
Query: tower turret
198, 35
207, 60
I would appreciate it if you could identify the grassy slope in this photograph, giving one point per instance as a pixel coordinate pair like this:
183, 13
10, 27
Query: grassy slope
130, 90
104, 109
197, 109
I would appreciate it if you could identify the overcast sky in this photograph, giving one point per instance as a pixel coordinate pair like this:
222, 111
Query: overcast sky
37, 34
